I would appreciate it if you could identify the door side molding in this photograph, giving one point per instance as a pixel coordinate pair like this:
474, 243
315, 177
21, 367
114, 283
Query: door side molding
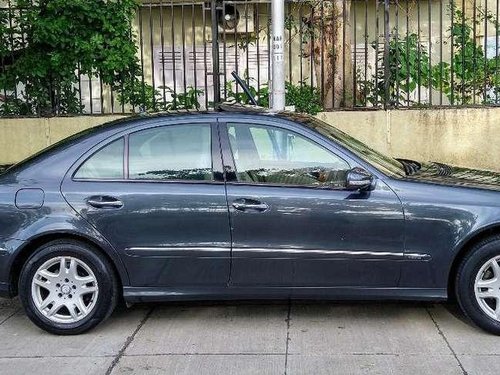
174, 251
334, 254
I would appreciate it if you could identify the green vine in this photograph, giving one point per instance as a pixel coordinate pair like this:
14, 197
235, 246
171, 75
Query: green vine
408, 68
471, 76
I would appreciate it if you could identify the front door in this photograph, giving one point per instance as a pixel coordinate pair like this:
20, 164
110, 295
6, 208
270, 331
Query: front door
155, 196
294, 224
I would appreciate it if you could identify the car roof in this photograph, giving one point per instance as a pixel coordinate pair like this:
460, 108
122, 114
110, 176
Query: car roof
221, 110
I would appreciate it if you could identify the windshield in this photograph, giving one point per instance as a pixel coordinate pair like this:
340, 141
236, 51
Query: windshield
380, 161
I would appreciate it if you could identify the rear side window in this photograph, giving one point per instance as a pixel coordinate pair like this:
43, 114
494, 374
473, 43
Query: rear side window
175, 152
107, 163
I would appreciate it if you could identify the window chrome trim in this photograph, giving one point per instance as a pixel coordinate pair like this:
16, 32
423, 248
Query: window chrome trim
281, 185
208, 182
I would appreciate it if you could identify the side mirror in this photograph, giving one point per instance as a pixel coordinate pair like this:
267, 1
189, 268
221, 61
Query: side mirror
359, 179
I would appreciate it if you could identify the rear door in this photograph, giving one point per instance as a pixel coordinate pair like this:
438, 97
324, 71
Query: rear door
293, 221
158, 196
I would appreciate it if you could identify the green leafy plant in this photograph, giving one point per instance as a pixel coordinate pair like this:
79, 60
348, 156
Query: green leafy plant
239, 96
185, 100
408, 68
304, 98
48, 42
140, 96
12, 106
470, 76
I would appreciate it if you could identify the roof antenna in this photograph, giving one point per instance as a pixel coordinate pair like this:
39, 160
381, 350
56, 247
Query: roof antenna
244, 87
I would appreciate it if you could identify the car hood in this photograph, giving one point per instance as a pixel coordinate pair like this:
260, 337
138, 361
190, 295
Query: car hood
444, 174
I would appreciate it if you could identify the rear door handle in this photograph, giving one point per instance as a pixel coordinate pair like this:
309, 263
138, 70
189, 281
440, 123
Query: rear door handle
103, 201
245, 204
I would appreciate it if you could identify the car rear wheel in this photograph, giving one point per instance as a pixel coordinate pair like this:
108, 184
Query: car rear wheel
67, 287
478, 285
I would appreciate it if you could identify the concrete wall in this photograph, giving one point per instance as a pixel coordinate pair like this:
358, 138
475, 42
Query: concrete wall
468, 137
19, 138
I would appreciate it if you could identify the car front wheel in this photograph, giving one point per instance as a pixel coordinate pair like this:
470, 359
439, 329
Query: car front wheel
478, 285
67, 287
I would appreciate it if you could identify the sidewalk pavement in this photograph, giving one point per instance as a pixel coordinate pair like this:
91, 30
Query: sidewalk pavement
250, 338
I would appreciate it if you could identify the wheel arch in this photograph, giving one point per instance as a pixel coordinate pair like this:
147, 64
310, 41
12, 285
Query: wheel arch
463, 250
30, 246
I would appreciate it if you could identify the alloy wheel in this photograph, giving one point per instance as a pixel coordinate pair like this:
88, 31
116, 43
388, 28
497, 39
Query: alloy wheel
487, 288
64, 289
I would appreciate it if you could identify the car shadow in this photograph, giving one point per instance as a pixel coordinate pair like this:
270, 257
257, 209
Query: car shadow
454, 309
391, 305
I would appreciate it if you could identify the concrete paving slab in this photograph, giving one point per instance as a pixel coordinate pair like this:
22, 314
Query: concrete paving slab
344, 338
202, 364
373, 364
51, 365
480, 364
21, 338
364, 328
463, 337
213, 329
7, 308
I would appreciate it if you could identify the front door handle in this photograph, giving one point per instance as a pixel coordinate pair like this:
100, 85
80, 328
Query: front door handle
245, 204
104, 201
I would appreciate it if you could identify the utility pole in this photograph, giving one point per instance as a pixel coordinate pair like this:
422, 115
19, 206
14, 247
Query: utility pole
215, 52
278, 76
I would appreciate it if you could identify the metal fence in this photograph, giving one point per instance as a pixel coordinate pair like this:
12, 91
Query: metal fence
340, 54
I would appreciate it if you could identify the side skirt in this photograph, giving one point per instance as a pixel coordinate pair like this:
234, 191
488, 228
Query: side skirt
159, 294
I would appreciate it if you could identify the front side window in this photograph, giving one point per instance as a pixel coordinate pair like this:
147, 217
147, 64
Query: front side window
107, 163
384, 163
266, 154
176, 152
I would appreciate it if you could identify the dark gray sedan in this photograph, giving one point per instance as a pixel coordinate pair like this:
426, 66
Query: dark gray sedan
240, 205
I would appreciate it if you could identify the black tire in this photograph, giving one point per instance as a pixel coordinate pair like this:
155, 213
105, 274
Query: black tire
465, 279
100, 266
